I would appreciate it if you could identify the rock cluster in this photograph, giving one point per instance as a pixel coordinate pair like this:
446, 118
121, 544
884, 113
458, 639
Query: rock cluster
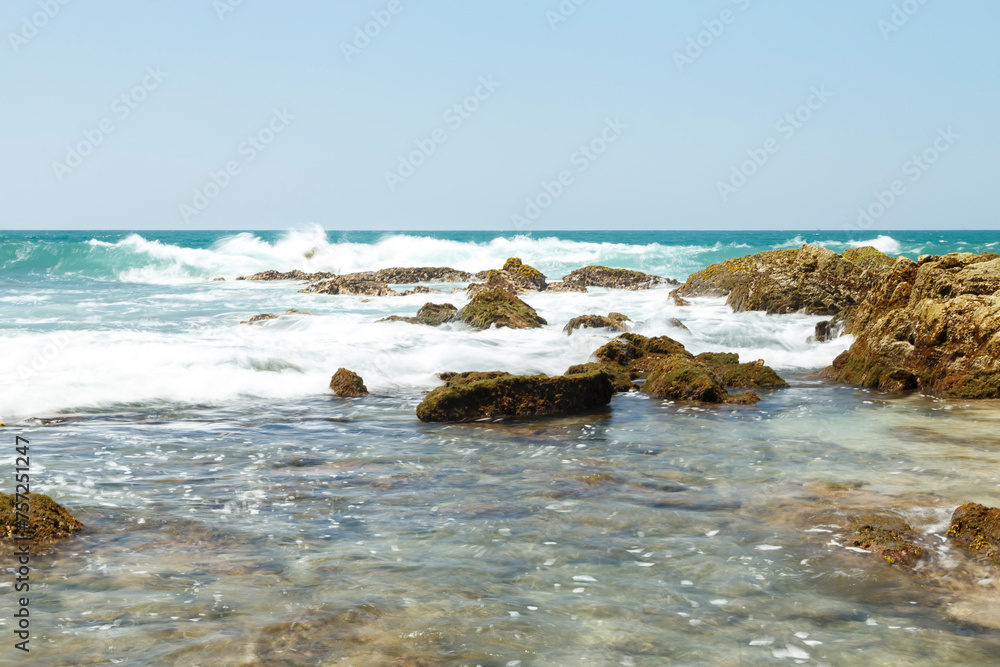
602, 276
810, 279
932, 325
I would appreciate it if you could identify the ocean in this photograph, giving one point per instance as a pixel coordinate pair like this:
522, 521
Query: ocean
238, 513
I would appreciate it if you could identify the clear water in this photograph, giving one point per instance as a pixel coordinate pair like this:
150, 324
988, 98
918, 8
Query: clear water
239, 514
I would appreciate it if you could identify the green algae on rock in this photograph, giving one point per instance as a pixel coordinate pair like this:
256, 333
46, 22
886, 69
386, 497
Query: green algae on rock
977, 528
348, 384
496, 307
614, 321
730, 372
47, 520
886, 535
431, 314
470, 376
619, 378
517, 396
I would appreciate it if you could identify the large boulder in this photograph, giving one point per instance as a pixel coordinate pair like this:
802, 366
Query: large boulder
516, 396
603, 276
812, 279
497, 307
348, 384
431, 314
932, 325
977, 528
47, 520
614, 321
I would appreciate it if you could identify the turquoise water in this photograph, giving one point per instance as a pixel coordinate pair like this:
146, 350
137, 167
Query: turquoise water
239, 514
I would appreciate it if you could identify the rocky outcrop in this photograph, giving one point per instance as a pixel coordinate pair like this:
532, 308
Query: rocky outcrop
678, 300
977, 528
259, 319
603, 276
348, 384
431, 314
516, 396
288, 275
673, 373
811, 279
515, 277
47, 520
932, 325
614, 321
886, 535
470, 376
499, 308
353, 287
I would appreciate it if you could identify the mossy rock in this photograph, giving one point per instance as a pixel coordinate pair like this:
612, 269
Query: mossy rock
597, 322
619, 351
870, 259
348, 384
680, 378
886, 535
524, 273
493, 307
603, 276
431, 314
977, 528
730, 372
619, 378
517, 396
48, 521
470, 376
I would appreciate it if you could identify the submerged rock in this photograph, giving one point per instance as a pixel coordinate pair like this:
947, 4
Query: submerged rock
932, 325
886, 535
48, 521
977, 528
812, 279
603, 276
348, 384
614, 321
431, 314
496, 307
517, 396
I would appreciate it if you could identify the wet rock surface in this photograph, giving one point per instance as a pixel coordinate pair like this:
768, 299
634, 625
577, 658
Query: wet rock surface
887, 535
48, 521
348, 384
932, 325
516, 396
614, 321
496, 307
430, 314
811, 279
258, 319
977, 528
603, 276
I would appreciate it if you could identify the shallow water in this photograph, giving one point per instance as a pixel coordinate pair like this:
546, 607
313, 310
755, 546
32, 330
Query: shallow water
239, 514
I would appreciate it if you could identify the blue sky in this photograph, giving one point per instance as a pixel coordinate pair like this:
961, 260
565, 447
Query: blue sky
255, 115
